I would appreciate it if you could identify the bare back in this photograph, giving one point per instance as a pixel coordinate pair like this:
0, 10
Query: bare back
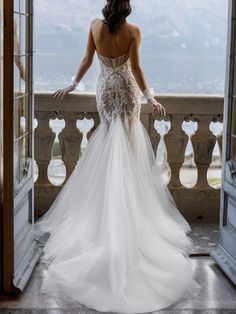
112, 45
109, 46
126, 41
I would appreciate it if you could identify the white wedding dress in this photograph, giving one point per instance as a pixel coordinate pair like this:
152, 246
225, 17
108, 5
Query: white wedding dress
117, 241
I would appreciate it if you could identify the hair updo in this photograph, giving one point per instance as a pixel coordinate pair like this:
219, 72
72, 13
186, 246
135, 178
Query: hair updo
115, 13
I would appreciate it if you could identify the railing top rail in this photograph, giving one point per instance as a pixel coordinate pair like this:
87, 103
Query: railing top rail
200, 104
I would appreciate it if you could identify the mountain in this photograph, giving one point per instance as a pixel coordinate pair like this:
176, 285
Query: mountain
169, 27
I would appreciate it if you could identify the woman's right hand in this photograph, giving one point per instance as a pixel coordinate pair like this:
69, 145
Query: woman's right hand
60, 93
159, 111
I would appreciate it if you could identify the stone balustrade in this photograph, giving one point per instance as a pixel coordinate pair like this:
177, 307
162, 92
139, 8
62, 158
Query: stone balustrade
201, 201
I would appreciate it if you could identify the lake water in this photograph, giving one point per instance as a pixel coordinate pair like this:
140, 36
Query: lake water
194, 75
165, 74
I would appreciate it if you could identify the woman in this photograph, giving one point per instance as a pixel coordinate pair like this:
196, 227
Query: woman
117, 241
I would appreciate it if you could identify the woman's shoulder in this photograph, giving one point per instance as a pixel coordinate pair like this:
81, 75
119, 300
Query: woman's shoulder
95, 24
96, 20
133, 27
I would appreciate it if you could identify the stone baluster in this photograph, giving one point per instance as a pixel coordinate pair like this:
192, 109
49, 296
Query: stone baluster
44, 138
148, 120
96, 119
70, 140
176, 141
145, 119
203, 142
153, 134
219, 137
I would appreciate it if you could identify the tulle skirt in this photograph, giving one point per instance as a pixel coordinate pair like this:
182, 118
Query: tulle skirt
117, 241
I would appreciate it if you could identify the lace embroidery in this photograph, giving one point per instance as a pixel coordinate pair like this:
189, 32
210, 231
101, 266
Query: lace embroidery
117, 91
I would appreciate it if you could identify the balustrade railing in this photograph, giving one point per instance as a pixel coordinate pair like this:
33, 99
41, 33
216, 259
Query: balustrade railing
200, 201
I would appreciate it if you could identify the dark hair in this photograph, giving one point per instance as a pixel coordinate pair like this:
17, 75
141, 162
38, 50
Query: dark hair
115, 13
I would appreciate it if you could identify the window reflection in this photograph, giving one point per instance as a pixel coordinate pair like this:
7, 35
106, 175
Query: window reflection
233, 128
233, 132
233, 149
19, 60
17, 5
21, 102
20, 159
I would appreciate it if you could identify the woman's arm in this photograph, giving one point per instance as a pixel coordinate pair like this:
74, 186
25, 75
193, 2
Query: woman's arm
135, 60
88, 58
158, 109
83, 68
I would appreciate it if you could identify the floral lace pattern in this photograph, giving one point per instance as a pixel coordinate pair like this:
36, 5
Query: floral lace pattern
117, 90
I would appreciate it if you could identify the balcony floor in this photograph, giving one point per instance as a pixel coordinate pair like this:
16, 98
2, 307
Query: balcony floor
204, 236
218, 296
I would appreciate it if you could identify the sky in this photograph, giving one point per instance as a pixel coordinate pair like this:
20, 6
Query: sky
159, 18
193, 30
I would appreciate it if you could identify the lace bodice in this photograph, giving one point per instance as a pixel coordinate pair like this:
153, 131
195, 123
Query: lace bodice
117, 90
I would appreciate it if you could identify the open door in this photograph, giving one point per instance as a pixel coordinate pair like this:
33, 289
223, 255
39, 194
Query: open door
1, 135
225, 252
19, 253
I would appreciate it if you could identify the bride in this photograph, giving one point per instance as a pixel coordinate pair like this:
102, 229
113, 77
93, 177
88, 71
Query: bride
116, 241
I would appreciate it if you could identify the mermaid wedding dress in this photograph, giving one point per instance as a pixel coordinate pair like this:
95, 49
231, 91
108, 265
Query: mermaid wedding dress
117, 242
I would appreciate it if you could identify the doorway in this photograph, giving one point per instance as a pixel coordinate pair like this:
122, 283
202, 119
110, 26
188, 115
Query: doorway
19, 253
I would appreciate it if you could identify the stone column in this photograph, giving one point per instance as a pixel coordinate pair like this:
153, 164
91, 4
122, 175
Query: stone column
153, 134
96, 119
176, 141
219, 137
203, 142
70, 140
44, 138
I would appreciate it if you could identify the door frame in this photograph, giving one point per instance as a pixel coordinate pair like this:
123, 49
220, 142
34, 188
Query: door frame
225, 252
17, 262
8, 206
